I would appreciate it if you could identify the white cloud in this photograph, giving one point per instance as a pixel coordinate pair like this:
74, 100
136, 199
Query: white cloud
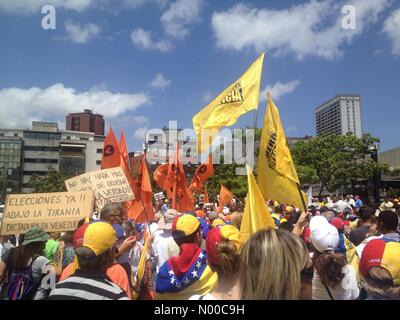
140, 134
278, 90
310, 29
81, 34
138, 3
20, 106
392, 29
159, 82
291, 129
32, 6
179, 16
142, 39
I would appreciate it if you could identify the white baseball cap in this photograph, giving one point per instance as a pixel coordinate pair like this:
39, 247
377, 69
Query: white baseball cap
324, 236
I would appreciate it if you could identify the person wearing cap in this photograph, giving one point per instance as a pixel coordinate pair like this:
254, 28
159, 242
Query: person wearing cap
164, 245
30, 254
380, 270
333, 278
95, 252
223, 245
188, 274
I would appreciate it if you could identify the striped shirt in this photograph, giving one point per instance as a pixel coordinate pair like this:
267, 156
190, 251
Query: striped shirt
84, 286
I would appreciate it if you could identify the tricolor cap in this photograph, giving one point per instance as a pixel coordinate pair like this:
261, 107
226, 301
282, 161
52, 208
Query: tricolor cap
186, 223
379, 253
214, 237
99, 237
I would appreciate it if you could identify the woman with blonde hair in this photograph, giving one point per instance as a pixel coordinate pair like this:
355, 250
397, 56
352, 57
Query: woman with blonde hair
271, 265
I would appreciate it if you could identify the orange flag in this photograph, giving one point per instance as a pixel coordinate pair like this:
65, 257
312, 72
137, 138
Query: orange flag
182, 199
161, 178
206, 199
203, 172
111, 154
142, 210
123, 147
225, 196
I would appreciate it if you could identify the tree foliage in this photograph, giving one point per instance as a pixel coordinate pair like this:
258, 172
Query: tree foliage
53, 181
335, 160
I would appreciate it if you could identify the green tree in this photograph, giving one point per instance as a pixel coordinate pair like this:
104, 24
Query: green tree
53, 181
335, 160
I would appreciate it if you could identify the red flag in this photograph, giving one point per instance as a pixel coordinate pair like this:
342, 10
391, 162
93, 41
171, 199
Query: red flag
203, 172
123, 147
111, 154
225, 197
182, 200
142, 210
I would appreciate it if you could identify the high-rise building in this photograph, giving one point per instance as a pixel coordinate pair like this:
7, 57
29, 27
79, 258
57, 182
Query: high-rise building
86, 121
340, 115
24, 153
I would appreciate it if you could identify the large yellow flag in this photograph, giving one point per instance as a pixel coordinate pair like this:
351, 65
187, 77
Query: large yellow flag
239, 98
277, 176
256, 213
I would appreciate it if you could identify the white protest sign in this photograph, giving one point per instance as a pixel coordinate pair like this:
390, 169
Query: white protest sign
108, 185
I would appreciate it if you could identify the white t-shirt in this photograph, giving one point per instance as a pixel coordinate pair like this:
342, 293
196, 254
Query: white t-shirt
164, 246
346, 290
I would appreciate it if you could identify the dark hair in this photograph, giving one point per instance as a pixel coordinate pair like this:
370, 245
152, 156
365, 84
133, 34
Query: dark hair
294, 217
389, 220
89, 261
21, 256
329, 266
286, 225
366, 213
278, 209
67, 237
110, 210
129, 228
180, 237
324, 209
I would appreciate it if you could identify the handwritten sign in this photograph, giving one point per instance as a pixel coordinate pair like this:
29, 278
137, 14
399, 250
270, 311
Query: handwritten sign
159, 196
108, 185
59, 211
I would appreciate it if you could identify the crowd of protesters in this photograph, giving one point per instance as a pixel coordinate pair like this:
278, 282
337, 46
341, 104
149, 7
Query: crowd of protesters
341, 249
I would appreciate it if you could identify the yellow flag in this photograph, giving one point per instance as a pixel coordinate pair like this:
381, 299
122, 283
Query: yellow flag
239, 98
142, 261
256, 214
277, 176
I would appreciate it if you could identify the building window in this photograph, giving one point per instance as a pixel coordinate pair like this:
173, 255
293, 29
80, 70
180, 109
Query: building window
15, 134
98, 162
68, 137
99, 151
83, 139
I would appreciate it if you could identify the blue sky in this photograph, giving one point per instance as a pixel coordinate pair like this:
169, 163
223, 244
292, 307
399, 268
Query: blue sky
144, 62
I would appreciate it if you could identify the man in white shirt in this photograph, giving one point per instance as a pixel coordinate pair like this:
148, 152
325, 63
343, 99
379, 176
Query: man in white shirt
164, 245
350, 200
340, 205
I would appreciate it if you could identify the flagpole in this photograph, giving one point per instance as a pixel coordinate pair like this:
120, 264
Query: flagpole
301, 197
174, 191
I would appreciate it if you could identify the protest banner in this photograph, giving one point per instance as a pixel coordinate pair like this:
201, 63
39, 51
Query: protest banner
59, 211
159, 196
108, 186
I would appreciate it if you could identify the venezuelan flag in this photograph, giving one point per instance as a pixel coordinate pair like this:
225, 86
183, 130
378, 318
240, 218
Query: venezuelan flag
181, 277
